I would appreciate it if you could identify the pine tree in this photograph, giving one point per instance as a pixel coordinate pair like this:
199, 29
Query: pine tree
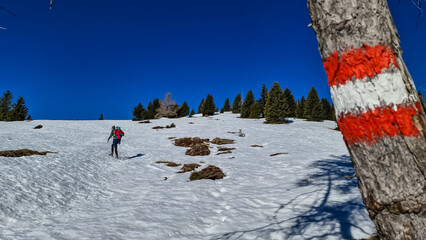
152, 109
101, 117
19, 111
310, 103
139, 112
217, 109
300, 109
192, 113
236, 105
5, 105
328, 112
317, 113
289, 103
274, 108
208, 106
200, 107
29, 118
227, 105
184, 110
262, 100
255, 110
248, 101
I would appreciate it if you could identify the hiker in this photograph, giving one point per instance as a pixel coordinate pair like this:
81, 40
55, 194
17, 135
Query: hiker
116, 134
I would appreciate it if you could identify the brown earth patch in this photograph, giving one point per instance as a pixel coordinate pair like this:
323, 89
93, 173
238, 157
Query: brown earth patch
275, 154
198, 150
225, 149
146, 121
221, 141
226, 152
170, 164
21, 153
257, 146
172, 138
38, 126
189, 142
210, 172
158, 127
189, 167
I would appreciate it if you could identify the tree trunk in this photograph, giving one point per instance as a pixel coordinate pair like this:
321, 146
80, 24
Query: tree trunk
378, 111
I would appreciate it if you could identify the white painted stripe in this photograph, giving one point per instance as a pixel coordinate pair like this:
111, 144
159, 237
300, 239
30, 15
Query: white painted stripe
385, 89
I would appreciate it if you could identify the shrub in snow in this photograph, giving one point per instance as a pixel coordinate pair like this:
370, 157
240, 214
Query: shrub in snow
189, 142
189, 167
171, 125
21, 153
146, 121
220, 141
38, 126
198, 150
220, 149
169, 164
210, 172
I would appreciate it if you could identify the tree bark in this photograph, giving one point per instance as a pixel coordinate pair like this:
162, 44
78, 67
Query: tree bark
377, 109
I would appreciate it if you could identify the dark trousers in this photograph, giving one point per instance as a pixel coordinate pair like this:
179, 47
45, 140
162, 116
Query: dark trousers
114, 145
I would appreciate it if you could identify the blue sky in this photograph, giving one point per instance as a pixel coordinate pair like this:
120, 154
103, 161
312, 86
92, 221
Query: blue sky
85, 58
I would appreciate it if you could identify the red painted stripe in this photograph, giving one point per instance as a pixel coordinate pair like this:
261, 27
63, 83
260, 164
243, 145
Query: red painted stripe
358, 63
378, 123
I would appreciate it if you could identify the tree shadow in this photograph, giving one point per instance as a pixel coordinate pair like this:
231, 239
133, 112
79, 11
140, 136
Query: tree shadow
326, 216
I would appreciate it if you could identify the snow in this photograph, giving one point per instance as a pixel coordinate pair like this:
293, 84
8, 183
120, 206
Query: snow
82, 193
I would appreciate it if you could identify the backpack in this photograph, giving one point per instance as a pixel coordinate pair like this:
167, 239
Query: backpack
118, 133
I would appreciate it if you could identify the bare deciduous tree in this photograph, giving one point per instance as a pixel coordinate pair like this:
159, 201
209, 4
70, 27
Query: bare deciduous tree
168, 107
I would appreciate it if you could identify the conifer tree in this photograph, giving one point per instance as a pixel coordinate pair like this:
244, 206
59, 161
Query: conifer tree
217, 109
29, 118
300, 109
236, 105
255, 110
184, 110
328, 111
274, 108
248, 101
101, 117
192, 113
19, 111
5, 105
139, 112
289, 103
208, 106
227, 105
311, 100
317, 113
262, 100
152, 108
200, 107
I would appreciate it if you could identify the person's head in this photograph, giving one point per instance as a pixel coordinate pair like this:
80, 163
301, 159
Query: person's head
117, 127
113, 127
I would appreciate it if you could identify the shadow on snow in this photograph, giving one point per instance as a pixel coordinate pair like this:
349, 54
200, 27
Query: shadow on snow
334, 217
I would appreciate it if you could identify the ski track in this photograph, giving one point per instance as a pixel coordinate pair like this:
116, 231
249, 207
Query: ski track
82, 193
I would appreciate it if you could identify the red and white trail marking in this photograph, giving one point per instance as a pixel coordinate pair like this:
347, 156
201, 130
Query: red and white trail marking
370, 96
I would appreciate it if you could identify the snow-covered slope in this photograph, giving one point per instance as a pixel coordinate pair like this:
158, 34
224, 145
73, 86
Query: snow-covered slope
82, 193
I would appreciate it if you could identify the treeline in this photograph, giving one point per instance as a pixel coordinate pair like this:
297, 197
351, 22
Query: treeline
13, 111
277, 105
